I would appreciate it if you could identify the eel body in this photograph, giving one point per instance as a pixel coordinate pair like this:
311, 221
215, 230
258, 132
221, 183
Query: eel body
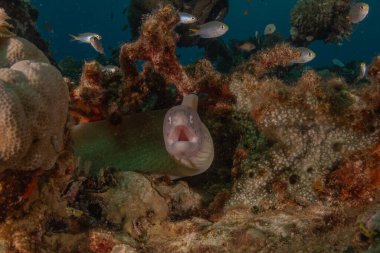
141, 142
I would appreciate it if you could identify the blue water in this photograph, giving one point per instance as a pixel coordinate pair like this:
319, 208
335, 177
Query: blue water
78, 16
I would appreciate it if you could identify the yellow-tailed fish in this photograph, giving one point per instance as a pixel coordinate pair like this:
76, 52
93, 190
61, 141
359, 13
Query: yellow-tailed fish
358, 12
211, 29
306, 55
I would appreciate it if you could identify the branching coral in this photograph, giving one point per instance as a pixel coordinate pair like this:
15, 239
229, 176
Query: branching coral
156, 44
313, 126
320, 20
214, 85
204, 11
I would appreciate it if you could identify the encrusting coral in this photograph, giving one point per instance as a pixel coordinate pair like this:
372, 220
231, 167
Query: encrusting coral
312, 125
320, 20
267, 60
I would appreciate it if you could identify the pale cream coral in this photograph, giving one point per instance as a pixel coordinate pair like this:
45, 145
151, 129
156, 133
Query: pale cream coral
34, 101
33, 104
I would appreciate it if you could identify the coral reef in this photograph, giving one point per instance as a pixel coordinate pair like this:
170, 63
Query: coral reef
320, 20
295, 162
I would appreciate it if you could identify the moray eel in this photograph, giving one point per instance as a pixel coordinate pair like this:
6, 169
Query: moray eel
181, 147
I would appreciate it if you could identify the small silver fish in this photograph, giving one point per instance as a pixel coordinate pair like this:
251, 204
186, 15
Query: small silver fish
97, 45
91, 38
85, 37
363, 70
306, 55
211, 29
186, 18
358, 12
269, 29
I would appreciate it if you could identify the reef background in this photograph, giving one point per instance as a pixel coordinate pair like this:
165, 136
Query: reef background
86, 15
297, 157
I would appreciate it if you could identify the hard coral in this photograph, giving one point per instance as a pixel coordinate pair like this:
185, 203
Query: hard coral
156, 44
34, 101
320, 20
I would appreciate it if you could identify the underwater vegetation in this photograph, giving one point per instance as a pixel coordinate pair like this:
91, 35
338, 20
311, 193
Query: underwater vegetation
295, 161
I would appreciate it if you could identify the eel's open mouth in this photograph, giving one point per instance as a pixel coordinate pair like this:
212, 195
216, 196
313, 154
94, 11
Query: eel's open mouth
182, 132
182, 141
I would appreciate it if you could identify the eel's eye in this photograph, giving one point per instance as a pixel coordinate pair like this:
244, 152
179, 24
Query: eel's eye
170, 120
